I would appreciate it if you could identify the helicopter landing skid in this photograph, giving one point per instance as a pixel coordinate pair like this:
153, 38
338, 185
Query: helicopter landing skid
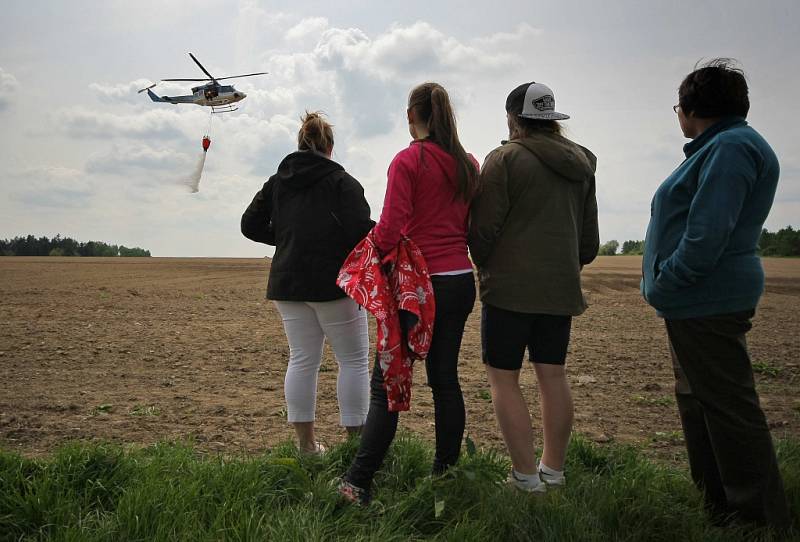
216, 109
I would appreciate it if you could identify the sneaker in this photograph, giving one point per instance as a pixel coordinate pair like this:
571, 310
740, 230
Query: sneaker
353, 494
319, 449
530, 486
552, 480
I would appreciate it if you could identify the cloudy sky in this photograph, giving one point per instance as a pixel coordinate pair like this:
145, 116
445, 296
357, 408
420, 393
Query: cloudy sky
84, 155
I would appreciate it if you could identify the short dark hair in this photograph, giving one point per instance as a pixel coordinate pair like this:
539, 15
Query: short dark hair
715, 89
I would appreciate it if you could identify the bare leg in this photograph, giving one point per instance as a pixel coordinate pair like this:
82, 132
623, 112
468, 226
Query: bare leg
513, 418
307, 442
557, 413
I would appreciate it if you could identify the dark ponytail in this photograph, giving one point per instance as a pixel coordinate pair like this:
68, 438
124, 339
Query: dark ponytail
431, 105
315, 134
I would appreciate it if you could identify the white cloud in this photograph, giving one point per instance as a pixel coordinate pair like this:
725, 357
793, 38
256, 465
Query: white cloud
309, 28
268, 102
260, 144
512, 40
162, 124
8, 87
121, 92
137, 158
408, 53
49, 186
255, 28
364, 81
52, 175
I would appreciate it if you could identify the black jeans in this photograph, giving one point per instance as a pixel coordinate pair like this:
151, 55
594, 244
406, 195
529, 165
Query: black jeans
731, 456
455, 297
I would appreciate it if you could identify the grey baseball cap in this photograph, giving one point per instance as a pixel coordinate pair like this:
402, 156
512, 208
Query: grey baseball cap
533, 101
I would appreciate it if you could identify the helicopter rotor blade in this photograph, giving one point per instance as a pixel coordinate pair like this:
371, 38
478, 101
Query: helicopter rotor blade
188, 79
245, 75
205, 71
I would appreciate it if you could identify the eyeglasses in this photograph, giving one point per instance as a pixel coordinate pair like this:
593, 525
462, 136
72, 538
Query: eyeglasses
675, 107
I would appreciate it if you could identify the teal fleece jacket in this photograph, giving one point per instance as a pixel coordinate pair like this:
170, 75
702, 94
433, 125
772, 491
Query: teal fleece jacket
705, 222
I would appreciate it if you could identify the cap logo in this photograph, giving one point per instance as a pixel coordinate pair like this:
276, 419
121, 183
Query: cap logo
538, 102
545, 103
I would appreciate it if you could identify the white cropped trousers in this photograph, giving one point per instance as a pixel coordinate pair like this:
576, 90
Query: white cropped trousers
307, 324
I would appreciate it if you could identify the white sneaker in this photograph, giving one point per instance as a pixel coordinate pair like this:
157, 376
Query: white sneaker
552, 480
536, 485
319, 449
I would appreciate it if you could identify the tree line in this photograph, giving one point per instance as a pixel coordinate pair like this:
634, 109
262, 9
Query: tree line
785, 242
30, 245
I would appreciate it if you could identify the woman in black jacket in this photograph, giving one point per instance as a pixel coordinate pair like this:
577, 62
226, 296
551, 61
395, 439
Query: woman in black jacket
314, 213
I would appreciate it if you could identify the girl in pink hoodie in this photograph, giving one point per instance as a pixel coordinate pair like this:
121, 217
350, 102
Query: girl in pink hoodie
430, 186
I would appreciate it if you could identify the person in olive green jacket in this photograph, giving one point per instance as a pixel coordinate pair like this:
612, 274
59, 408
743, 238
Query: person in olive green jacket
533, 228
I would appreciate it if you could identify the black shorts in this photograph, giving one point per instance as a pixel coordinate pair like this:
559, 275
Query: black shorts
506, 334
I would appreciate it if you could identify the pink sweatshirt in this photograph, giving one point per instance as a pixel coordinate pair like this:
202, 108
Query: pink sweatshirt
421, 204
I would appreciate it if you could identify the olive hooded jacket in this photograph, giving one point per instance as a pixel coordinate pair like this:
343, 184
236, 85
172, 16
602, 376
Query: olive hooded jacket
533, 226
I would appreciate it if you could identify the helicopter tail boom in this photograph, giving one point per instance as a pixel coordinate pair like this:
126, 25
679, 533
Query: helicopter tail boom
155, 97
168, 99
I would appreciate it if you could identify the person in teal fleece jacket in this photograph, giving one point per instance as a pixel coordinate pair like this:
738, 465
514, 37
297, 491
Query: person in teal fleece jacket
700, 251
701, 273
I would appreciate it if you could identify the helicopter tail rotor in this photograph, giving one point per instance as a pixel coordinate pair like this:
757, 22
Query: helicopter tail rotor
147, 88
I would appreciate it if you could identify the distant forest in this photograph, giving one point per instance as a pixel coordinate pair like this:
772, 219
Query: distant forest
785, 242
64, 246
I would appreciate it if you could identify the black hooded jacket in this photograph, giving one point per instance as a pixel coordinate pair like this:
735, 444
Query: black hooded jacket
314, 213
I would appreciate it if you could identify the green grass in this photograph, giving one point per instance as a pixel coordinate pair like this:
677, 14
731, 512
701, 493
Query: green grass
145, 410
172, 492
671, 437
767, 369
102, 409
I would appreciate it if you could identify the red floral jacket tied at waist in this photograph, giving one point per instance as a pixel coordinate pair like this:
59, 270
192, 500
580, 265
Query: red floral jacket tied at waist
405, 287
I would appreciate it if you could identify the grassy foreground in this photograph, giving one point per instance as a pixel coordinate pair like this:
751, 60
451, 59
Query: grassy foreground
171, 492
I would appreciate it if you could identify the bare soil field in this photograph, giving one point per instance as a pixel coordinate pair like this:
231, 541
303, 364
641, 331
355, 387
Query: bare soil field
140, 350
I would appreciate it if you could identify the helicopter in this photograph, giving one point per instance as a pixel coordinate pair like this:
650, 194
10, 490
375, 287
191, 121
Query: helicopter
221, 98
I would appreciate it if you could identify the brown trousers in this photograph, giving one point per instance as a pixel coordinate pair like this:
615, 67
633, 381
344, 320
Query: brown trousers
730, 449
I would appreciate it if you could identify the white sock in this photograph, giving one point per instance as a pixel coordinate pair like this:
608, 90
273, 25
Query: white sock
550, 472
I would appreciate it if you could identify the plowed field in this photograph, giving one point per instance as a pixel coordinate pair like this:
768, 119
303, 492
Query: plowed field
140, 350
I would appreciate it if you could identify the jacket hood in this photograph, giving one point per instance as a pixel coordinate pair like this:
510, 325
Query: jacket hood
302, 169
430, 150
565, 158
